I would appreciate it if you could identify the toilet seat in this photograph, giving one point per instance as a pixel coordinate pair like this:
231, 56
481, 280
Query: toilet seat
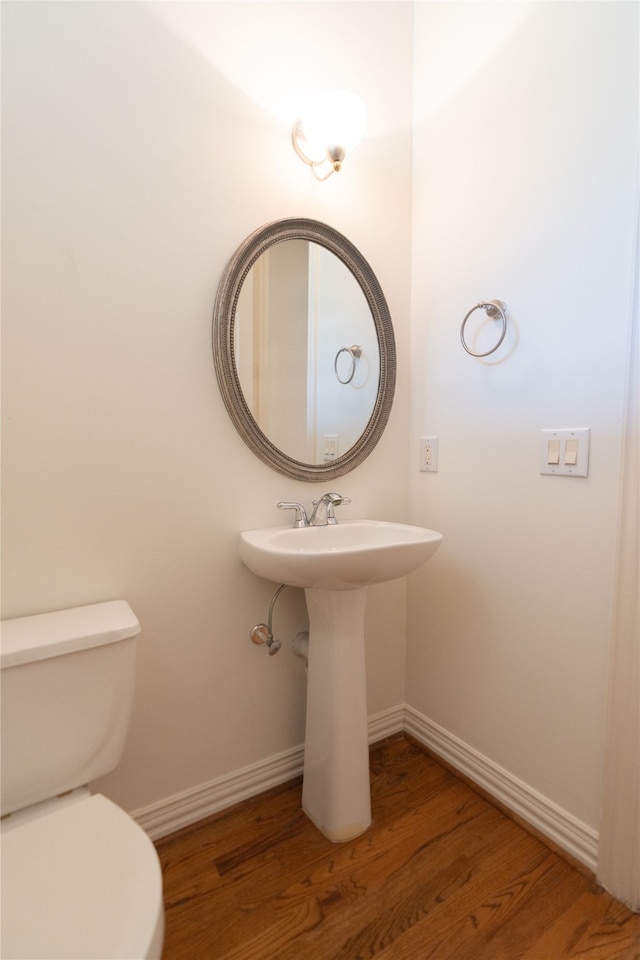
82, 881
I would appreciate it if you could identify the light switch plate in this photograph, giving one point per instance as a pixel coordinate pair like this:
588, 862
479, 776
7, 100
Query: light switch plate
564, 468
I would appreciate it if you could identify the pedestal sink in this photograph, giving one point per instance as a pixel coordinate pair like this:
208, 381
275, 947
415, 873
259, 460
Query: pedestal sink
335, 564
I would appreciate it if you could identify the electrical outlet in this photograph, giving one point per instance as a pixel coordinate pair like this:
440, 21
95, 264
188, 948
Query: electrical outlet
429, 454
330, 446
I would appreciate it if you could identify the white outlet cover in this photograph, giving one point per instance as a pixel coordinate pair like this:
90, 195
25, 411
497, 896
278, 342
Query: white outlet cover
429, 454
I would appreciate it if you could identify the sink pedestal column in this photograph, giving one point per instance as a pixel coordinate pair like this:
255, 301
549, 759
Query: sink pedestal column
336, 792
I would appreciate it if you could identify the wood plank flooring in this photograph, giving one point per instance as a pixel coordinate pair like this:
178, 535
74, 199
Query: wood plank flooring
441, 875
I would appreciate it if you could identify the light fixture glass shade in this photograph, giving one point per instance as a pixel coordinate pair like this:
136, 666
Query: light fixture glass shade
333, 119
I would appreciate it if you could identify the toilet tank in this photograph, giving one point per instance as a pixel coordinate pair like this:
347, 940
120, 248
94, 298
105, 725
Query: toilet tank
67, 683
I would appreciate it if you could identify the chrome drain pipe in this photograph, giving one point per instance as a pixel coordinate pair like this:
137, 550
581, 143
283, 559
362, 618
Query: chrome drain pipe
300, 644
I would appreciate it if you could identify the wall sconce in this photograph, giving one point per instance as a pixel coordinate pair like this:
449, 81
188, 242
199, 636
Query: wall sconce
332, 124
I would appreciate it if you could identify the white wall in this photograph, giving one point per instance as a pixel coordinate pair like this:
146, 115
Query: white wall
524, 190
141, 144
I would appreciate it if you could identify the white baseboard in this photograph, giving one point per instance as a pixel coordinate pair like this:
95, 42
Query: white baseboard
386, 724
552, 821
183, 809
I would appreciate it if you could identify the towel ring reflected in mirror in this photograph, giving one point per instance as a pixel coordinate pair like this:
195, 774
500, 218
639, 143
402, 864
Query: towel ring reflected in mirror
354, 352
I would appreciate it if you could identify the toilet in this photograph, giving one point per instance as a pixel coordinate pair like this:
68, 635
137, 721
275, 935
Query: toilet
80, 879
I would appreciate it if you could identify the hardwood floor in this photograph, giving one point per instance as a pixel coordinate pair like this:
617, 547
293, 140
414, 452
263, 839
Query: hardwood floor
441, 874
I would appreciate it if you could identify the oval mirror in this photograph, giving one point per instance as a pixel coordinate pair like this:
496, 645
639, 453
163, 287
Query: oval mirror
304, 350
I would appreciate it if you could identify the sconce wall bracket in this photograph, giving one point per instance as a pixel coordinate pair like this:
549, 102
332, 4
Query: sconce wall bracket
322, 169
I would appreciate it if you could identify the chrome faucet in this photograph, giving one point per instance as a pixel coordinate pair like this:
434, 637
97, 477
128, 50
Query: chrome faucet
326, 505
301, 514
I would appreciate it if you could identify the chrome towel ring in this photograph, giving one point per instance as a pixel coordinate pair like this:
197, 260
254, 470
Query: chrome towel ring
354, 352
497, 310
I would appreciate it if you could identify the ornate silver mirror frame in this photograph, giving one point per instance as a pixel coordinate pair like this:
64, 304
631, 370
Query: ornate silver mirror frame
224, 350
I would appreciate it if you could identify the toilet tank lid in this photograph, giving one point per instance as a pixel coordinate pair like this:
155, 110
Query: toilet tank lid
45, 635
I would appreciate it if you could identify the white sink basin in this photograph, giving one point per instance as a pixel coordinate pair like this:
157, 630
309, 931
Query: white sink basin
345, 556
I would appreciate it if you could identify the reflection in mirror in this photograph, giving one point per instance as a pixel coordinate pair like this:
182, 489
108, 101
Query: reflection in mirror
304, 349
298, 308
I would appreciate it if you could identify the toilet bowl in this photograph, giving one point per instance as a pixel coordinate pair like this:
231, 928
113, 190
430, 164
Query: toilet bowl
80, 879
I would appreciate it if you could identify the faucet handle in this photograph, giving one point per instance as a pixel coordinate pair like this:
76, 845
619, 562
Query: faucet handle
301, 514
